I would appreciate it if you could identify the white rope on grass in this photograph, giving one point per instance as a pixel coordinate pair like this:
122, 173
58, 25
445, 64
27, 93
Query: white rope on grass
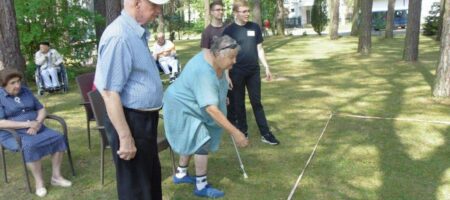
393, 118
297, 183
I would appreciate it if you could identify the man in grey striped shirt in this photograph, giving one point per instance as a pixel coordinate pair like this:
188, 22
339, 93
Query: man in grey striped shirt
128, 79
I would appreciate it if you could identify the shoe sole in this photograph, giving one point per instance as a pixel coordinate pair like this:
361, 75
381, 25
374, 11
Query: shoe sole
267, 142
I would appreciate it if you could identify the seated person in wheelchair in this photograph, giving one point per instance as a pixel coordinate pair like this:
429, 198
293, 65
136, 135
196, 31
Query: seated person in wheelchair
49, 60
164, 52
22, 111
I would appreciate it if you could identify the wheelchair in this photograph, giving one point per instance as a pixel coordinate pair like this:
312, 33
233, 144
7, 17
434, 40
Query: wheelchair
161, 71
62, 79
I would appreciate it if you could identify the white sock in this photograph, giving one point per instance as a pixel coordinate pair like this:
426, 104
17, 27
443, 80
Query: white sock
181, 172
201, 182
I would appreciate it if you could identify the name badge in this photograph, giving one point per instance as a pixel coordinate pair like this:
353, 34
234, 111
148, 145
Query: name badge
251, 33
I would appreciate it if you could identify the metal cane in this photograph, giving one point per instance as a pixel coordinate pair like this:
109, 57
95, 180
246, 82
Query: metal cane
239, 158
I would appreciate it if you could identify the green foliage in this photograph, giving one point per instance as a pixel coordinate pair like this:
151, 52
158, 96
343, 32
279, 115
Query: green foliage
431, 24
64, 23
319, 18
379, 20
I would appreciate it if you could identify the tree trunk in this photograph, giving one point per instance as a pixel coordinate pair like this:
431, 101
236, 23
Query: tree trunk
160, 24
207, 16
257, 13
411, 51
334, 20
99, 8
280, 17
10, 56
390, 20
365, 28
439, 31
442, 82
113, 8
355, 17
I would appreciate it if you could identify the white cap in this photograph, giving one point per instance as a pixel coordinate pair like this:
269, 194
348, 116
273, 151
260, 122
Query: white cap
159, 2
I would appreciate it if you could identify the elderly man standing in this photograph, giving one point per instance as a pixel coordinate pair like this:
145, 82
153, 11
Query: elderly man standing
128, 80
164, 51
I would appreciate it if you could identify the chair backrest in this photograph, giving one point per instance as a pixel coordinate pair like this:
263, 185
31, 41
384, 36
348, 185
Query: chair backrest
85, 83
99, 111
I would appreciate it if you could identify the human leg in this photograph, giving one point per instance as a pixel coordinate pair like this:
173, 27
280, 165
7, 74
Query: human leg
254, 92
140, 177
238, 100
45, 74
202, 188
54, 75
182, 175
57, 179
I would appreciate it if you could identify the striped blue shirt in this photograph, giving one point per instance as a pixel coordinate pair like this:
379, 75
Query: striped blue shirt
125, 65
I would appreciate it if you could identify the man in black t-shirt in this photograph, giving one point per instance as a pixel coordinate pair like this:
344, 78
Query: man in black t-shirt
216, 27
246, 72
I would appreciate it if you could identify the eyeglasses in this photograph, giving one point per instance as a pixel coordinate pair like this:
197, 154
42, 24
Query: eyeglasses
244, 11
231, 46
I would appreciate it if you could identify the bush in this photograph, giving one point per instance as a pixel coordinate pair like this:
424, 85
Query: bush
430, 27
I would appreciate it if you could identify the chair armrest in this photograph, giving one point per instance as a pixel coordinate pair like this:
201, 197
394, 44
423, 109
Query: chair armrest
60, 120
99, 127
14, 134
84, 103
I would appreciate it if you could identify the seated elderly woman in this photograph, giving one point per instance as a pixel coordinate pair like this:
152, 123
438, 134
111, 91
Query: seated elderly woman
21, 111
195, 112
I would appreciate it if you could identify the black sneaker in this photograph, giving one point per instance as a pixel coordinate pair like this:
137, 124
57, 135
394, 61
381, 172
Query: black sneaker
270, 139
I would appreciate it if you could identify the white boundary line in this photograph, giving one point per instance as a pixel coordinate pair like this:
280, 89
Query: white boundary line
393, 118
297, 183
309, 160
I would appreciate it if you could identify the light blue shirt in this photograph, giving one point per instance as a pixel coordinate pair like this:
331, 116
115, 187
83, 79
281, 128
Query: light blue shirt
125, 65
187, 124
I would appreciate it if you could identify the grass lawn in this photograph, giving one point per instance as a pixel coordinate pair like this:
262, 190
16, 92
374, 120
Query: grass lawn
356, 159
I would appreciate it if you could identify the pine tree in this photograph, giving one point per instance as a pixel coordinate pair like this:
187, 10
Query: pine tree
319, 18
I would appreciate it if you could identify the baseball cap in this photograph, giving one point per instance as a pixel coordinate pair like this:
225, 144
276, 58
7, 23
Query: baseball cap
159, 1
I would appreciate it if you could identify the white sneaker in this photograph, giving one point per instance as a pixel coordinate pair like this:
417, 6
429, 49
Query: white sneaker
41, 192
61, 182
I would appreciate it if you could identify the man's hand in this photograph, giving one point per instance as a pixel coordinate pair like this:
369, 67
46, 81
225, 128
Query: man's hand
240, 139
127, 149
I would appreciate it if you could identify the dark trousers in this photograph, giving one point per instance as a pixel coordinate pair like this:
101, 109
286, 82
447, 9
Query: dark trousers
139, 178
237, 113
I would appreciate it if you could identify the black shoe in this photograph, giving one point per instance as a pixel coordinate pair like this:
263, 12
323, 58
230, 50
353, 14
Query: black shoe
270, 139
172, 79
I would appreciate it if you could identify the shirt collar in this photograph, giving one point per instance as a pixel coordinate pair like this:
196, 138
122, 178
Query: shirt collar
135, 26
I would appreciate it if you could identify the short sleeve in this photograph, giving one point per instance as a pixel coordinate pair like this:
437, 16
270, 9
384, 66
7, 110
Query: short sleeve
115, 63
259, 37
205, 90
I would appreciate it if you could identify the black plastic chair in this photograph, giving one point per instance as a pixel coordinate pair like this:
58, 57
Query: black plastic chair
63, 124
99, 110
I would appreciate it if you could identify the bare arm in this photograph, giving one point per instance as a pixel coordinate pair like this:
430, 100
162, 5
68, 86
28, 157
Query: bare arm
115, 112
262, 59
220, 119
